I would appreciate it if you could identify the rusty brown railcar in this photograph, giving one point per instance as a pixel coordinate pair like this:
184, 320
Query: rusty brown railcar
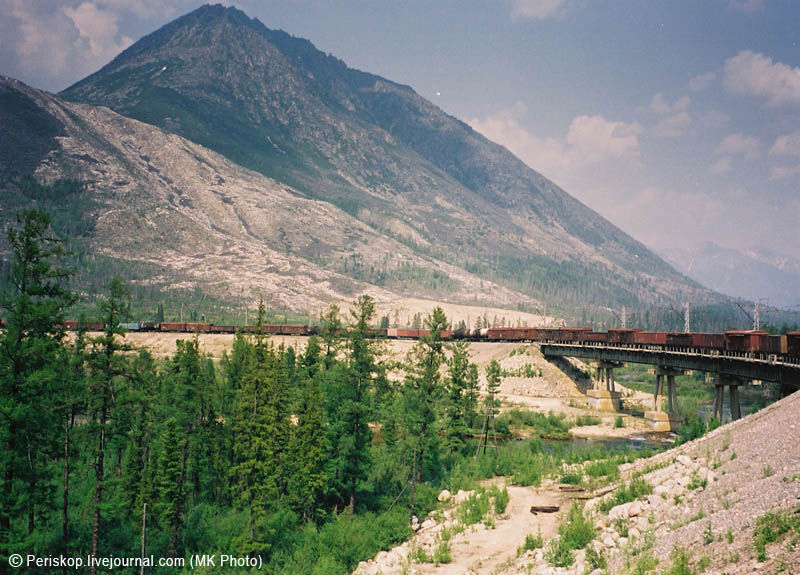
650, 337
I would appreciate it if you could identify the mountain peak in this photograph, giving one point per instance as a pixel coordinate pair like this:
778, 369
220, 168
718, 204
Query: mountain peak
379, 151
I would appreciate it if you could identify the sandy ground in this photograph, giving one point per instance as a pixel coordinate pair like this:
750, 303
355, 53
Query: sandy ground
480, 549
485, 550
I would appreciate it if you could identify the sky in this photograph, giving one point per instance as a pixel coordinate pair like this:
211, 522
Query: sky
678, 121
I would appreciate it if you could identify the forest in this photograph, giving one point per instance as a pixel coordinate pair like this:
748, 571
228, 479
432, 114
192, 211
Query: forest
311, 461
305, 461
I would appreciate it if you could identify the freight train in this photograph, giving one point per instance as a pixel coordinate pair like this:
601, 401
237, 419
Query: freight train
750, 343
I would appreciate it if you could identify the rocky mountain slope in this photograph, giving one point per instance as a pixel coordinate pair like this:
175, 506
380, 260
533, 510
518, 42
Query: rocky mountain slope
408, 173
190, 217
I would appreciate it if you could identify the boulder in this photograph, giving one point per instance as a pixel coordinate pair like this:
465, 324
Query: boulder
609, 542
414, 523
445, 495
427, 524
634, 508
462, 496
619, 511
684, 460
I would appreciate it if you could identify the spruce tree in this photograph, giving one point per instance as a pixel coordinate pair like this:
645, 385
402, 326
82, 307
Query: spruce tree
347, 399
421, 392
455, 418
106, 366
34, 307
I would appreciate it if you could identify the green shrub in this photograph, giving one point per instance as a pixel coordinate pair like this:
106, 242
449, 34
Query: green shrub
604, 468
621, 526
583, 420
528, 476
558, 554
474, 508
695, 482
680, 562
708, 534
596, 559
577, 531
619, 422
500, 500
441, 554
636, 489
572, 478
532, 542
772, 526
646, 564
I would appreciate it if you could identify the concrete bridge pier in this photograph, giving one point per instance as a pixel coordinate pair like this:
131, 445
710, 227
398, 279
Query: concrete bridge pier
604, 396
733, 384
658, 419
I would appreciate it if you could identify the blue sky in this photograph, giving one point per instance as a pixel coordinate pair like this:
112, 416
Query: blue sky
679, 121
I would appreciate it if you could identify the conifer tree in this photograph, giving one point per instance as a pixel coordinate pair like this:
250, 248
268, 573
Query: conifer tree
347, 399
307, 451
455, 418
261, 434
106, 366
34, 307
471, 393
421, 391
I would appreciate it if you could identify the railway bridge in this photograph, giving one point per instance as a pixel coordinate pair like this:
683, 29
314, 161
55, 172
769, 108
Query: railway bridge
730, 369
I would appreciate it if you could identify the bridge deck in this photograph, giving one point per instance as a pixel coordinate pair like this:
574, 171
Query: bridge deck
724, 364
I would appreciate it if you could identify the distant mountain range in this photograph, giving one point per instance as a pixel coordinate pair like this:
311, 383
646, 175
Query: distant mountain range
225, 157
748, 273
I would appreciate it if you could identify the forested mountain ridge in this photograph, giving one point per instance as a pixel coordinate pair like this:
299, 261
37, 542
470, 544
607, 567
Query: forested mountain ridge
382, 153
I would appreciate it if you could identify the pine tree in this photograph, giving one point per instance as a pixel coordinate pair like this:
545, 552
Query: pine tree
421, 391
455, 422
471, 393
29, 376
261, 435
347, 399
331, 333
106, 366
307, 451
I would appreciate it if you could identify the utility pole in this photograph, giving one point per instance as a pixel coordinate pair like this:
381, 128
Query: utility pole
686, 319
756, 319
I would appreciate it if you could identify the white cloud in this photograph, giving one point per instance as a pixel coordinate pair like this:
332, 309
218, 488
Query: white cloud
590, 141
787, 145
701, 81
536, 9
98, 28
596, 139
784, 172
746, 6
715, 119
42, 38
739, 145
721, 166
547, 155
755, 74
732, 146
674, 120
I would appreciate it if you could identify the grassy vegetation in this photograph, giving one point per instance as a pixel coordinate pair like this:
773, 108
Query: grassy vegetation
576, 532
772, 527
550, 426
636, 489
584, 420
532, 542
